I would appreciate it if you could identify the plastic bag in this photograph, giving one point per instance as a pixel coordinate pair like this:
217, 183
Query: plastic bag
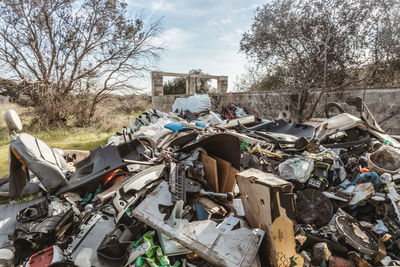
194, 103
296, 169
240, 112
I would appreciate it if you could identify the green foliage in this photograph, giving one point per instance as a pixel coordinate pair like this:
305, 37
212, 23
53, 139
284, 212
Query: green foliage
202, 85
178, 85
325, 43
80, 139
8, 88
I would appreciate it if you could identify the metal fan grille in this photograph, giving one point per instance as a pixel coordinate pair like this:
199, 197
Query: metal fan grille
313, 207
344, 226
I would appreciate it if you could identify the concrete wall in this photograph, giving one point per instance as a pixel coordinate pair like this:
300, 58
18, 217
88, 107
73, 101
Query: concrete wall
384, 103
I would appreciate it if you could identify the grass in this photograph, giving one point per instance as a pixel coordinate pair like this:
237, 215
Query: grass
82, 139
64, 138
5, 200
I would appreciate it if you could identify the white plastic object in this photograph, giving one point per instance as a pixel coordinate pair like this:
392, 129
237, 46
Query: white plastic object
296, 169
195, 103
83, 258
240, 112
169, 246
6, 256
12, 120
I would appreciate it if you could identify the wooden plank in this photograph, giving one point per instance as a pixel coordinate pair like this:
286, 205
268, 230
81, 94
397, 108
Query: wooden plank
185, 124
230, 183
226, 124
223, 167
211, 171
283, 236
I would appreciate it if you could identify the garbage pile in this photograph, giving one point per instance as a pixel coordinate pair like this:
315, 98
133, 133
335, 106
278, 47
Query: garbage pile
195, 188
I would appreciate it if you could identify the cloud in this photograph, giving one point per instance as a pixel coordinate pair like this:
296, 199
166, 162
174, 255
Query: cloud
202, 34
223, 62
132, 3
161, 5
244, 9
175, 38
233, 37
225, 21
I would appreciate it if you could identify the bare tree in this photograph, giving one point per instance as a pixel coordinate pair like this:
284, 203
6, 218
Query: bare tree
69, 55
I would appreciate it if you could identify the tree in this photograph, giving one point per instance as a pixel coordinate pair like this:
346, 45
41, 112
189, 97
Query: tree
327, 45
69, 55
202, 85
384, 43
8, 88
257, 78
178, 85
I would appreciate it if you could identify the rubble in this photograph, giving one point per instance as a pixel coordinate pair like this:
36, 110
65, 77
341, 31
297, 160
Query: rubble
202, 187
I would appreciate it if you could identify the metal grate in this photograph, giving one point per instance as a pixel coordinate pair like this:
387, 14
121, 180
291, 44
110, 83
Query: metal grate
313, 207
344, 225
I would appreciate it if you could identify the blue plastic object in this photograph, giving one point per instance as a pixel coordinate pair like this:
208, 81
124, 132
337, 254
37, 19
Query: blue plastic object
202, 125
366, 177
175, 127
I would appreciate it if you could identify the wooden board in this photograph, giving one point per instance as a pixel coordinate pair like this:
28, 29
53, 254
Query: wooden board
211, 171
223, 168
226, 124
257, 190
283, 238
230, 183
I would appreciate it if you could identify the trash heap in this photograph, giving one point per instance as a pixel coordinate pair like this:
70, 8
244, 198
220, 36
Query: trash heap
202, 187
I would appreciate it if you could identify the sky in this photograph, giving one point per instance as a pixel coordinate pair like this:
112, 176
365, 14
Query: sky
200, 34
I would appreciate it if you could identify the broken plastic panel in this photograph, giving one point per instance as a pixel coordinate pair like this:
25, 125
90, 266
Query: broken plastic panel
33, 212
115, 244
361, 193
36, 235
47, 257
8, 221
102, 161
297, 130
137, 252
134, 187
92, 230
235, 248
168, 245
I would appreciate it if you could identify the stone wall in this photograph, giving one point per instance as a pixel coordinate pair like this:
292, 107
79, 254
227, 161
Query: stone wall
383, 102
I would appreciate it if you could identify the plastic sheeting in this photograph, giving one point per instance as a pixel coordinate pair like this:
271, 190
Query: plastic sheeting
299, 169
194, 103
